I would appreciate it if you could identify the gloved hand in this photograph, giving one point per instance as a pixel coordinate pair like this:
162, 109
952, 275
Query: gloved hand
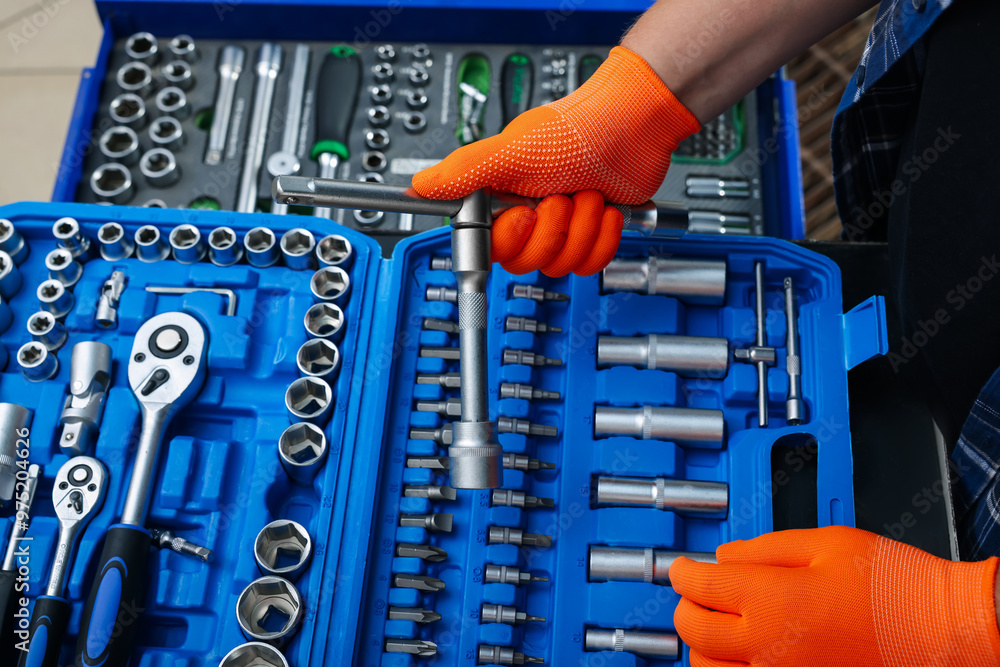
613, 135
835, 596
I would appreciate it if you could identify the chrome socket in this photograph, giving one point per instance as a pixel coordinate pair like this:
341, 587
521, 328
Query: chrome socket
297, 247
421, 52
223, 248
154, 203
45, 329
385, 52
377, 139
368, 218
37, 365
149, 244
331, 283
10, 277
261, 246
379, 116
69, 235
302, 449
648, 565
374, 161
183, 48
254, 654
318, 357
112, 182
160, 168
415, 122
142, 46
63, 267
309, 399
186, 244
383, 72
416, 100
120, 144
128, 109
269, 598
135, 77
172, 101
688, 498
419, 77
325, 320
637, 642
178, 74
11, 241
54, 298
166, 132
283, 548
381, 94
334, 250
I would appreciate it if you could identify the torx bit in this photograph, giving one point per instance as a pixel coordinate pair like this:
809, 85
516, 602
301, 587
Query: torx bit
440, 263
504, 535
450, 408
436, 523
498, 613
449, 353
523, 427
505, 574
419, 647
525, 357
436, 324
413, 614
512, 498
501, 655
527, 324
431, 492
523, 463
418, 581
449, 294
526, 392
429, 462
536, 294
446, 380
422, 551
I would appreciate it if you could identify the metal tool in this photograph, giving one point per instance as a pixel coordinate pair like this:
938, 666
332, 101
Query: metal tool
379, 115
142, 46
716, 187
37, 363
89, 379
136, 78
16, 554
524, 463
268, 66
687, 356
15, 421
377, 139
228, 294
223, 249
716, 222
498, 613
794, 405
524, 427
435, 324
309, 399
69, 236
413, 615
418, 647
283, 549
115, 245
53, 297
527, 358
128, 109
285, 161
519, 499
230, 67
337, 89
536, 293
166, 371
416, 100
487, 654
297, 247
6, 317
265, 601
442, 263
120, 144
759, 354
183, 47
302, 450
160, 167
637, 564
507, 574
10, 277
331, 284
318, 357
418, 582
186, 244
527, 392
262, 247
428, 462
431, 492
12, 242
178, 73
325, 320
435, 523
689, 498
449, 408
48, 331
77, 495
254, 654
527, 324
166, 132
637, 642
335, 250
149, 244
505, 535
171, 101
449, 294
107, 302
425, 552
446, 380
690, 280
380, 94
684, 426
437, 352
165, 539
112, 182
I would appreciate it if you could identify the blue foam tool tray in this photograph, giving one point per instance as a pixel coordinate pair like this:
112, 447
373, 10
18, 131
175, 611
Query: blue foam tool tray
219, 480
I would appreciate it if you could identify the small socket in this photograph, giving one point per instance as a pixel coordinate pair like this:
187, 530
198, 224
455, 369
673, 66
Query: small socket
45, 329
149, 244
377, 139
309, 399
183, 48
261, 246
334, 250
254, 654
223, 248
37, 365
416, 100
115, 245
128, 109
142, 46
160, 168
386, 52
368, 218
381, 94
371, 177
318, 357
332, 284
297, 247
135, 78
178, 74
379, 116
69, 235
10, 277
419, 77
269, 610
383, 73
172, 101
154, 203
112, 182
63, 267
166, 132
415, 122
325, 320
302, 450
374, 161
120, 144
420, 52
283, 548
54, 298
11, 241
187, 244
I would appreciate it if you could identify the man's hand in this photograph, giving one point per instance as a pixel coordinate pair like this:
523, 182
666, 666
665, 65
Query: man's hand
835, 596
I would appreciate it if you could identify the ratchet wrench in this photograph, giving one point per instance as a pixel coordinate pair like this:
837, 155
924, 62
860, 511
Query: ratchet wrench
77, 495
166, 371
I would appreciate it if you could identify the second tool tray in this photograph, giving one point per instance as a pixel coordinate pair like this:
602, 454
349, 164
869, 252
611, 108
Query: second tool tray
219, 480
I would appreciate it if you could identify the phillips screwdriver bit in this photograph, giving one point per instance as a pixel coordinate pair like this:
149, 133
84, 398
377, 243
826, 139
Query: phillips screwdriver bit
418, 581
522, 427
442, 294
536, 294
431, 492
524, 357
413, 614
429, 462
441, 263
504, 574
435, 324
512, 498
449, 353
504, 535
446, 380
450, 408
501, 655
527, 324
422, 551
523, 463
436, 523
498, 613
420, 647
525, 392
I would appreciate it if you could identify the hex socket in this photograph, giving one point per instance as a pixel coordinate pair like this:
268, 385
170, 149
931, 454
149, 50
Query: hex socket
325, 320
128, 109
114, 243
637, 564
223, 248
186, 244
687, 356
178, 73
335, 250
120, 144
149, 244
183, 47
318, 357
297, 247
309, 399
254, 654
283, 549
684, 426
135, 77
379, 115
684, 497
636, 642
10, 277
112, 182
142, 46
690, 280
160, 168
265, 599
331, 284
166, 132
261, 247
171, 101
302, 449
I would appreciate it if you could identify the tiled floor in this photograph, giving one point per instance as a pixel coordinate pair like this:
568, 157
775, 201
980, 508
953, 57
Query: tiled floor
43, 46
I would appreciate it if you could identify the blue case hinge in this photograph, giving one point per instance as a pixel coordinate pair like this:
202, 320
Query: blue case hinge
865, 332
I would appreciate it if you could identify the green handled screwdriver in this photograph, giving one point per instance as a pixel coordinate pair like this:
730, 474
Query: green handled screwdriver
336, 98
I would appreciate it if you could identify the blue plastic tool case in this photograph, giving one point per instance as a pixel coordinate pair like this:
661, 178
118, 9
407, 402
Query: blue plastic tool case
219, 480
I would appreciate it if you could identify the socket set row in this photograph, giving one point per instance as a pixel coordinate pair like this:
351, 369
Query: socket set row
207, 124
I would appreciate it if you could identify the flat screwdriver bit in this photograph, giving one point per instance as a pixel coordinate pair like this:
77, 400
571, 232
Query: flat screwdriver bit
442, 294
413, 614
501, 655
430, 491
429, 462
504, 535
448, 353
436, 523
420, 647
441, 263
523, 463
522, 427
418, 581
422, 551
527, 324
498, 613
536, 294
522, 357
446, 380
505, 574
512, 498
449, 408
525, 392
435, 324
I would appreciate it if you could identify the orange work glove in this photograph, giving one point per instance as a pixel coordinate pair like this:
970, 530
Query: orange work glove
614, 135
835, 596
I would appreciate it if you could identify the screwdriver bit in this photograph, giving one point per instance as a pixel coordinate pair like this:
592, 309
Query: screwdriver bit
503, 535
440, 435
504, 574
450, 408
498, 613
522, 427
164, 539
523, 463
536, 294
449, 353
527, 324
501, 655
429, 462
522, 357
413, 614
418, 581
442, 294
524, 391
435, 324
420, 647
431, 492
441, 263
446, 380
422, 551
511, 498
436, 523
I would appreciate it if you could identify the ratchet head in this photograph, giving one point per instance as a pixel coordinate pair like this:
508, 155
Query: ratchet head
167, 366
78, 491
